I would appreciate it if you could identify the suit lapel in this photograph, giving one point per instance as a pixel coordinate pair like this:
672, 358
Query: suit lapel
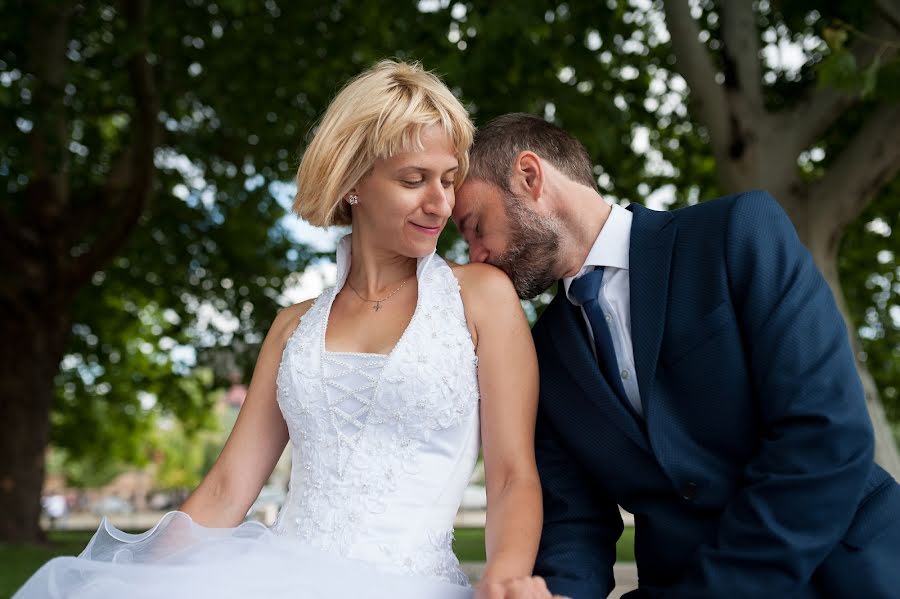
650, 258
572, 344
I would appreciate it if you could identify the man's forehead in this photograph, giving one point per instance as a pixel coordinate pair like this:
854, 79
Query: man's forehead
467, 198
474, 194
477, 187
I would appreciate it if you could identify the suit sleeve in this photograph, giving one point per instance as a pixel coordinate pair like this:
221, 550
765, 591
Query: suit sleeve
803, 485
581, 526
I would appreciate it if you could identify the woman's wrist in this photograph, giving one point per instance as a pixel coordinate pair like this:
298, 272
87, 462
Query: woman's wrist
505, 568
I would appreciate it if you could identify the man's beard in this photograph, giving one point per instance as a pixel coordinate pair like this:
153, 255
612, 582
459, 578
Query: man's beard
532, 251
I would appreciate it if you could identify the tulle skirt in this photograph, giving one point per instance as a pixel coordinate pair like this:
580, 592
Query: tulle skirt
179, 558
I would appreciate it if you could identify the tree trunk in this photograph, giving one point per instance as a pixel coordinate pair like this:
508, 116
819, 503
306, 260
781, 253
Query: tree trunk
31, 346
823, 242
757, 148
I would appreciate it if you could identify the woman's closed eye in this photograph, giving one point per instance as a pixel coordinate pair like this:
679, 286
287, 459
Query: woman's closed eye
416, 183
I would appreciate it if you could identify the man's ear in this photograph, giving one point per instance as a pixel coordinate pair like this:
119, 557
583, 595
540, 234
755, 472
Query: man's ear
530, 174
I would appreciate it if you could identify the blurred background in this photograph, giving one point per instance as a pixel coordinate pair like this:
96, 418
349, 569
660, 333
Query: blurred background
147, 154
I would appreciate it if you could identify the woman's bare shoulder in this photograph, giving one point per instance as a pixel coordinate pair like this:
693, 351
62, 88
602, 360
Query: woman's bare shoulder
478, 276
287, 318
484, 289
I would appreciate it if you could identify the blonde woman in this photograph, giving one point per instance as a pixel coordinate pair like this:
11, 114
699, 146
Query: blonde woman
386, 385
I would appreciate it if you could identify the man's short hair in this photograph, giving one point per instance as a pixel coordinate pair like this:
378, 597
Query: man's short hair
501, 140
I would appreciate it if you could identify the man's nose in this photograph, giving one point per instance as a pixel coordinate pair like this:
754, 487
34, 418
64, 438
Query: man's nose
477, 252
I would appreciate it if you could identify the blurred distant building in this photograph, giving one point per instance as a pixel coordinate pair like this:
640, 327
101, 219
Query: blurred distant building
236, 393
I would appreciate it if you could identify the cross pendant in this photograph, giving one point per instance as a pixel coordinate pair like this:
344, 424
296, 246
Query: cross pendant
377, 306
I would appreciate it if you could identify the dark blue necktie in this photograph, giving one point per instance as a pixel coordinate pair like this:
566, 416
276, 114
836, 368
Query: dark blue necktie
586, 290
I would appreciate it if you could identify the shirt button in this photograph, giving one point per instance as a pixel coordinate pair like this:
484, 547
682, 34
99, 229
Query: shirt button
625, 375
689, 491
607, 317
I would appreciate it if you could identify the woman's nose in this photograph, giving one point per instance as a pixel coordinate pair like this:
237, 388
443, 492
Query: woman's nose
440, 200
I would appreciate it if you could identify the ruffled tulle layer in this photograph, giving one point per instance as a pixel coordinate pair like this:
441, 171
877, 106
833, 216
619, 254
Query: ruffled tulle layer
179, 558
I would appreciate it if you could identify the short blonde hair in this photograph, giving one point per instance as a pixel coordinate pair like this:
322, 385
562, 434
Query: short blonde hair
377, 114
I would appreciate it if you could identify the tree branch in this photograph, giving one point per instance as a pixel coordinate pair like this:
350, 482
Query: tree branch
890, 10
807, 121
130, 183
743, 72
696, 66
869, 161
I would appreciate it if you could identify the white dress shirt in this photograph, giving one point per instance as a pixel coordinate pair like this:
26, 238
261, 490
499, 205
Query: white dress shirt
610, 250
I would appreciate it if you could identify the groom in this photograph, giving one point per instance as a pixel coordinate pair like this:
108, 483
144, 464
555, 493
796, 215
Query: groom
694, 370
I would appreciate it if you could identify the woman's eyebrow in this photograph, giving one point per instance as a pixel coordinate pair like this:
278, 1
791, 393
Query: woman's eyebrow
424, 169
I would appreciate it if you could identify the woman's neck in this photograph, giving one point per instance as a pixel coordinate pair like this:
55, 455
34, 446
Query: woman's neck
376, 270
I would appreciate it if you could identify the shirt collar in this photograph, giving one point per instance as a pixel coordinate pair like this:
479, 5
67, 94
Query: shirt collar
611, 246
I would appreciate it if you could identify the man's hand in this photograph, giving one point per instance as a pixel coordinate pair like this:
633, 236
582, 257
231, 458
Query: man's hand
529, 587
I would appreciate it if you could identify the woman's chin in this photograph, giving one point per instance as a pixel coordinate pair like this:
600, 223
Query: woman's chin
420, 248
421, 252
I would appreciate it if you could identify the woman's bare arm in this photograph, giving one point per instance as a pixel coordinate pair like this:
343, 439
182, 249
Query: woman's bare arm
256, 442
508, 382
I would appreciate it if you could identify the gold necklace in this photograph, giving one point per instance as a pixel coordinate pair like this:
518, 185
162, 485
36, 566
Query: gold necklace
377, 303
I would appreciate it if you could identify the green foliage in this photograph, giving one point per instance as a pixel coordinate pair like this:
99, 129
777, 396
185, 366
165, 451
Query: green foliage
86, 471
184, 457
180, 452
240, 85
840, 70
870, 275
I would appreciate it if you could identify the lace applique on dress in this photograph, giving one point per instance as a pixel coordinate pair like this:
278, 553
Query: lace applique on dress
383, 445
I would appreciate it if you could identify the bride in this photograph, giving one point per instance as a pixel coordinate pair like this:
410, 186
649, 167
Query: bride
386, 384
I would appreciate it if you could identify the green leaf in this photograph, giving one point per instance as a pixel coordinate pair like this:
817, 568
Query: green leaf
870, 78
835, 37
839, 70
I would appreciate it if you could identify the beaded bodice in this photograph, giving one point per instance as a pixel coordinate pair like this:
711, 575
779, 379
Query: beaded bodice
383, 446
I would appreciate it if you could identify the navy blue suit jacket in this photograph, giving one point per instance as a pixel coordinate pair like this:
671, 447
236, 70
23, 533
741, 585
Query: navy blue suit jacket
752, 470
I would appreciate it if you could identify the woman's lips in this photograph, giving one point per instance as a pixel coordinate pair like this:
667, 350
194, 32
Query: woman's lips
427, 230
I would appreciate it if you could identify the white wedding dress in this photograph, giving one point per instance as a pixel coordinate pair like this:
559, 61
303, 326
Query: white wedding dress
383, 447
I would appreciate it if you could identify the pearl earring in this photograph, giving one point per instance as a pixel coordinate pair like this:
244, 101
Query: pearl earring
353, 199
